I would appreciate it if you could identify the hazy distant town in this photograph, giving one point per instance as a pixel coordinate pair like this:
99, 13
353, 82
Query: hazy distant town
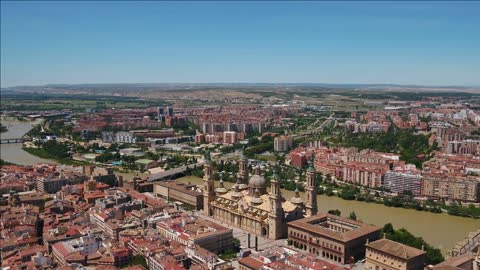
240, 176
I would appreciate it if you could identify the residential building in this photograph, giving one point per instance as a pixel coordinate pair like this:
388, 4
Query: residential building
191, 230
298, 159
400, 182
200, 138
449, 188
52, 185
229, 137
365, 174
282, 143
125, 137
75, 249
200, 255
108, 137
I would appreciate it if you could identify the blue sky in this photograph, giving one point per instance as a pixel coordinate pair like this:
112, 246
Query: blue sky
430, 43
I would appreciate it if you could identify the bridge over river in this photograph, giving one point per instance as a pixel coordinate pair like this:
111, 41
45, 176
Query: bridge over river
12, 140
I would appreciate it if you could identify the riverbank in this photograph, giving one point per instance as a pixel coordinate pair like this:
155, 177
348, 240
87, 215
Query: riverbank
354, 192
440, 230
13, 152
348, 191
41, 153
5, 163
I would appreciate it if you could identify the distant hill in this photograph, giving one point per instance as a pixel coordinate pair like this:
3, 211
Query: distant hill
134, 88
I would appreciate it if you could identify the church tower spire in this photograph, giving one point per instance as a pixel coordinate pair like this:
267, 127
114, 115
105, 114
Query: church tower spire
243, 169
275, 216
208, 184
311, 190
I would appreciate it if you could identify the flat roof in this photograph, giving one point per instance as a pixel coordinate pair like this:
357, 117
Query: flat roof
182, 187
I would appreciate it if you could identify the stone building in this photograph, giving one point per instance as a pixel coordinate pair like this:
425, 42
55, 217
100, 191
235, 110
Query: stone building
385, 254
181, 192
332, 237
250, 207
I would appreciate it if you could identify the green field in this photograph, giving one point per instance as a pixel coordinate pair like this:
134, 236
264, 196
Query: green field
44, 102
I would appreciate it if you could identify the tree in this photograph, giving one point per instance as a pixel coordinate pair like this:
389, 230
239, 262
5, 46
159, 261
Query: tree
335, 212
236, 244
388, 228
349, 193
138, 260
434, 256
353, 215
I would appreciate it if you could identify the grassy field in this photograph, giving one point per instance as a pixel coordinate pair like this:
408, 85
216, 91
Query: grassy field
266, 157
32, 102
44, 154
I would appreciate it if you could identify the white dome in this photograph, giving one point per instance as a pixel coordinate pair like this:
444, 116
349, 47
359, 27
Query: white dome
256, 181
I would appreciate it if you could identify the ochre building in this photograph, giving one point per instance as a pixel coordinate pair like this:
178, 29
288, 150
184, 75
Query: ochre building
250, 207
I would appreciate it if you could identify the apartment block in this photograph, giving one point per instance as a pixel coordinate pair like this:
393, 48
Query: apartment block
462, 189
400, 182
282, 143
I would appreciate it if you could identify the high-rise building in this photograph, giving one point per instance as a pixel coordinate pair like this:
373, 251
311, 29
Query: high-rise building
298, 159
160, 114
400, 182
200, 138
125, 137
282, 143
229, 137
463, 189
169, 111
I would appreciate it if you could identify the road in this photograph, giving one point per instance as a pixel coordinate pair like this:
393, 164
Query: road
315, 130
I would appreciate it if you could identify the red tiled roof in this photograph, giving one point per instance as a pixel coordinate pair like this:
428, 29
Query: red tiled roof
251, 263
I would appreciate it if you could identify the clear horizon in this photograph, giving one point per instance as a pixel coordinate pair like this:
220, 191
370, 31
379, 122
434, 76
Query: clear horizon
407, 43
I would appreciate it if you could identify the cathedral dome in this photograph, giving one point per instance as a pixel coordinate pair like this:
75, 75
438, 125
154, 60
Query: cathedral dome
256, 181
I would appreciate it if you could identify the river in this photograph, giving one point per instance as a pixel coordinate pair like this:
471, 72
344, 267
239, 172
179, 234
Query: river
440, 230
13, 152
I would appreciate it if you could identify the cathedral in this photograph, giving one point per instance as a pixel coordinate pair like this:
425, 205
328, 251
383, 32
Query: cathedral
250, 207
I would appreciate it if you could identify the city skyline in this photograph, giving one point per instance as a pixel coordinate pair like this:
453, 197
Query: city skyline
242, 42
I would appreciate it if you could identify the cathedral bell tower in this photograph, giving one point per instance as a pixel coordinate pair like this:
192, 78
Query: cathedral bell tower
275, 216
243, 169
311, 206
208, 184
